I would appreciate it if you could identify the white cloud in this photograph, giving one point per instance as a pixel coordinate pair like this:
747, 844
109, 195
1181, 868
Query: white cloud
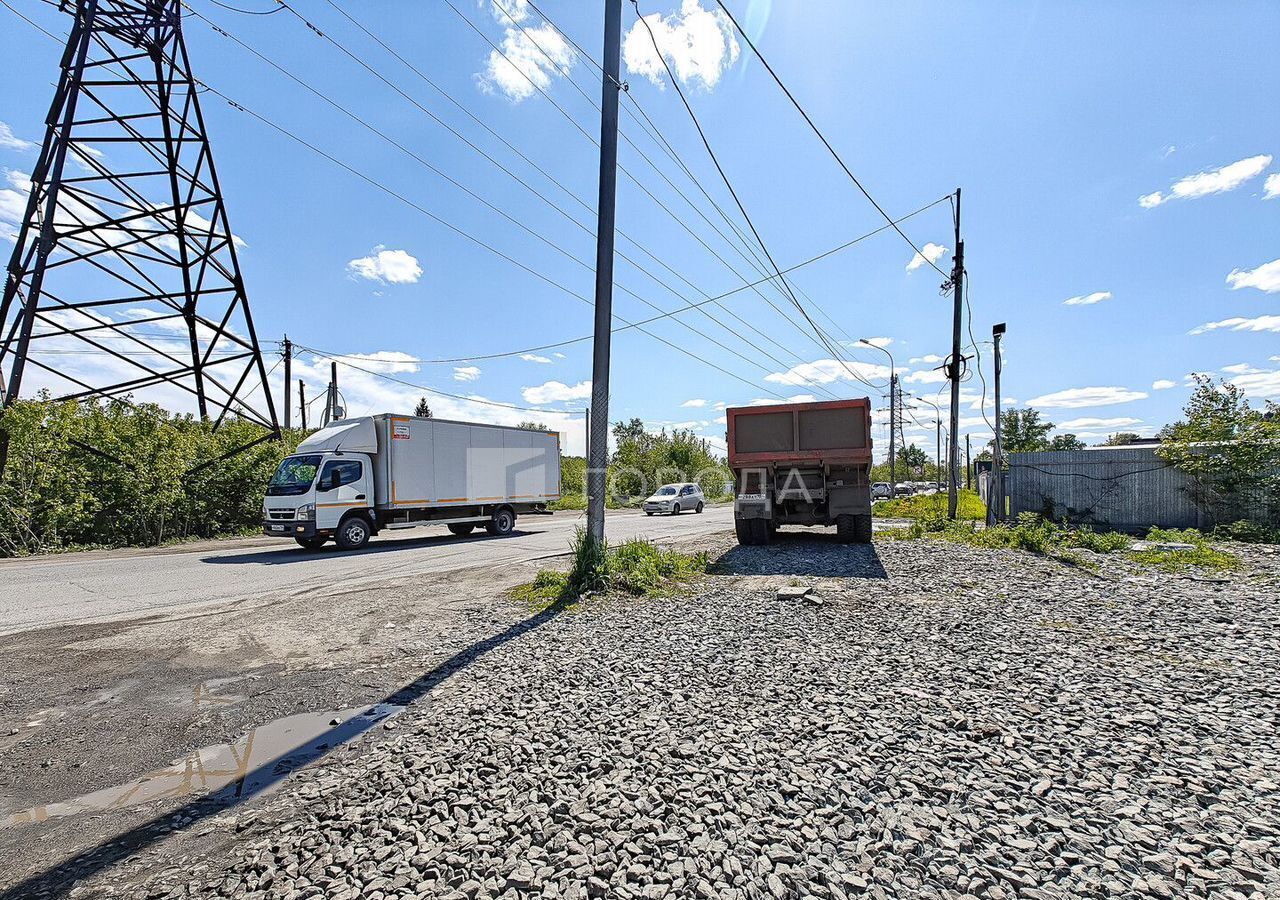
556, 392
825, 371
927, 376
698, 43
1087, 299
9, 141
696, 403
1239, 323
795, 398
465, 373
1163, 384
386, 267
1240, 369
880, 341
1088, 422
930, 252
1259, 385
559, 355
1076, 398
530, 56
1265, 278
1214, 181
1271, 186
930, 358
534, 358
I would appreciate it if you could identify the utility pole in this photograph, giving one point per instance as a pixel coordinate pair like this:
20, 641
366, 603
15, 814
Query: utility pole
302, 404
957, 297
995, 490
938, 421
333, 392
288, 377
893, 425
598, 451
968, 464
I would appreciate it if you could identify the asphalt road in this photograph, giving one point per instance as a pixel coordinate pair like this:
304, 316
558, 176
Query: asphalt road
101, 586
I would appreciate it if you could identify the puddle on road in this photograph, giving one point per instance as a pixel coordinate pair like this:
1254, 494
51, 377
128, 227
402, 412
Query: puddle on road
253, 763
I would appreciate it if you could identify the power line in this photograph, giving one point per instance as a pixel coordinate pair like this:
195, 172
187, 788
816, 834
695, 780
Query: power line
821, 136
741, 208
570, 341
640, 184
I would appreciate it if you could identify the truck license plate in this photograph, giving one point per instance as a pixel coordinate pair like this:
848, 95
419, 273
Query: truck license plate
752, 498
277, 528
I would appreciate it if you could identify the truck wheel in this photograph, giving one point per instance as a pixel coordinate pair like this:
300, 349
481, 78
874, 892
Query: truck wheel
311, 543
503, 522
862, 529
462, 529
761, 531
742, 528
353, 533
698, 508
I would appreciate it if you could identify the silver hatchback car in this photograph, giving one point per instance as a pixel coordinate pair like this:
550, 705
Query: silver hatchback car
675, 499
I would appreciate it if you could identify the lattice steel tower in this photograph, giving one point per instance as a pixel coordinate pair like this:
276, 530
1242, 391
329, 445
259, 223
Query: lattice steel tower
124, 278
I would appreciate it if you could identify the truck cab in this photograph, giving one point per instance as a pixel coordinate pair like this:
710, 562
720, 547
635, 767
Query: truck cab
316, 496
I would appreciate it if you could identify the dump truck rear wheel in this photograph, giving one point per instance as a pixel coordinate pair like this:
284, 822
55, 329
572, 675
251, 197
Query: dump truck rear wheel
760, 531
462, 529
862, 529
742, 527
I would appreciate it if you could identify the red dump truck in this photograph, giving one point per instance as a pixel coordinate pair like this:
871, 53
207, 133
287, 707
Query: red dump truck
801, 464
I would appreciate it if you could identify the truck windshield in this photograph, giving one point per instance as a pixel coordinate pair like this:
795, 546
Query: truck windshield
294, 476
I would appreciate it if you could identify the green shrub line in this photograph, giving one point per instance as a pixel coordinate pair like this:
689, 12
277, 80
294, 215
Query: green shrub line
968, 506
1035, 534
636, 567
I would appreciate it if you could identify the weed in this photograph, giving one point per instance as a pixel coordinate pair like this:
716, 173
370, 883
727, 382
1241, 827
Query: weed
1198, 554
636, 567
968, 506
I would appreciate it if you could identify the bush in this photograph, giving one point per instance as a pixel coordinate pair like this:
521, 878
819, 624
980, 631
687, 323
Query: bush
1199, 554
1246, 532
57, 493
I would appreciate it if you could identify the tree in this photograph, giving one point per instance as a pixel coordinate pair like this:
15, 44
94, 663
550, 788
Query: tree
1023, 431
912, 457
628, 431
1066, 442
533, 426
1230, 450
423, 409
1121, 438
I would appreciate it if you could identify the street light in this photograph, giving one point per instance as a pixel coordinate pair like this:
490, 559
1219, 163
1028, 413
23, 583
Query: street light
938, 421
893, 412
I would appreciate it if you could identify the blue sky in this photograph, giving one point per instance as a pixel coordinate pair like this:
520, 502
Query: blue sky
1124, 156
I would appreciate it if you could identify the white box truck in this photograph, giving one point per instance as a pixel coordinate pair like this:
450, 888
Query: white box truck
358, 476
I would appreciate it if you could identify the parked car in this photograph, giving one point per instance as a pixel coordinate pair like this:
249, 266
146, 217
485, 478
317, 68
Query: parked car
674, 499
905, 489
880, 490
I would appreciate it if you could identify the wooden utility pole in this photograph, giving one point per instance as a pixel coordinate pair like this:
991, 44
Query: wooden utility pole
288, 377
956, 362
598, 451
302, 404
333, 392
968, 464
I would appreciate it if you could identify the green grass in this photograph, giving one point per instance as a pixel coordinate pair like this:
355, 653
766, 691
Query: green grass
1201, 555
636, 567
919, 506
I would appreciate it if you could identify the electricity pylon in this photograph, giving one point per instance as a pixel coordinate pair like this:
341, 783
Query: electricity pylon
124, 280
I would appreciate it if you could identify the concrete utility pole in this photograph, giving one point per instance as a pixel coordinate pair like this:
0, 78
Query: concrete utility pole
598, 451
893, 427
968, 464
302, 404
288, 377
957, 305
995, 491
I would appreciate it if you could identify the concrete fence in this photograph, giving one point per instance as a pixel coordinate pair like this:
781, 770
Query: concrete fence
1124, 488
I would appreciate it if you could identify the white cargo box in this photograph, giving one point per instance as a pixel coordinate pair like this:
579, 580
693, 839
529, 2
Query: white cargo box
436, 462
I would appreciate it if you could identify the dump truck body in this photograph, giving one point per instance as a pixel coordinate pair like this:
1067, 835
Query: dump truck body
801, 464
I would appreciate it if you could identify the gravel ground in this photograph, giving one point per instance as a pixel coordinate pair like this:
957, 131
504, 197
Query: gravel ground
946, 722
